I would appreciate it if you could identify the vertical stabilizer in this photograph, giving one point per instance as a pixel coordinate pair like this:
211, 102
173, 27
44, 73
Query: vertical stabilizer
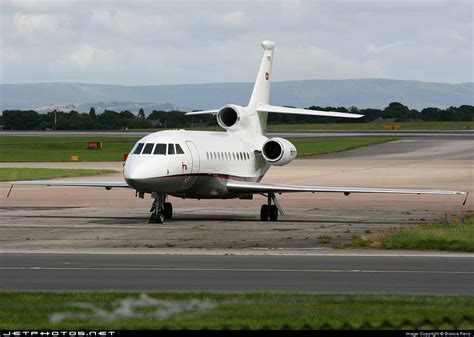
261, 89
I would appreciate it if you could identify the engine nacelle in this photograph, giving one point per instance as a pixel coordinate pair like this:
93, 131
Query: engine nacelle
229, 116
278, 151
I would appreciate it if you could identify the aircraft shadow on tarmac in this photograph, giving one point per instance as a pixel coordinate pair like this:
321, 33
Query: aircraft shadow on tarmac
230, 218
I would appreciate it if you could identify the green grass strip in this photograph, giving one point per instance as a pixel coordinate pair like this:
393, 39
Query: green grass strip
12, 174
315, 146
46, 310
60, 149
455, 237
404, 126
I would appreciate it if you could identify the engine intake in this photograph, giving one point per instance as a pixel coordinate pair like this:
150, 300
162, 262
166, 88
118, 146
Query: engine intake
278, 151
229, 116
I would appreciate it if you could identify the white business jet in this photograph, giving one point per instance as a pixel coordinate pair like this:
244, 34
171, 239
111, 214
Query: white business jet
221, 165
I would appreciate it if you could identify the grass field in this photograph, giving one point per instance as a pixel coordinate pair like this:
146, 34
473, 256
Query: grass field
44, 148
404, 126
315, 146
37, 149
455, 237
11, 174
106, 310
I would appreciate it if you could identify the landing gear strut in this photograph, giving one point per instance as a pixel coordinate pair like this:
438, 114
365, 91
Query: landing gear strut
269, 211
160, 210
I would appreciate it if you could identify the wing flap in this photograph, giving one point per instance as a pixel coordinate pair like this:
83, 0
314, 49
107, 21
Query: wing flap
294, 111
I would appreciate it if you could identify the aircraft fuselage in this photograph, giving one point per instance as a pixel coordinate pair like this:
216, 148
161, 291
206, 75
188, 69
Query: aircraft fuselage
194, 164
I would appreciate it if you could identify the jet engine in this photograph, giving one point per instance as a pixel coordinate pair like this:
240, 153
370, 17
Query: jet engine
278, 151
229, 116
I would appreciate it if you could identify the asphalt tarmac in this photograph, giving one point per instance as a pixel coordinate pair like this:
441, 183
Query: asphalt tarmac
83, 239
438, 274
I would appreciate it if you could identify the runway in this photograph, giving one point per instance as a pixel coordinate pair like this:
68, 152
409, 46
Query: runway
238, 273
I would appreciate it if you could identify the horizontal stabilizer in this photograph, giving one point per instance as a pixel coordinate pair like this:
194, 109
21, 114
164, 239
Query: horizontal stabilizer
294, 111
203, 112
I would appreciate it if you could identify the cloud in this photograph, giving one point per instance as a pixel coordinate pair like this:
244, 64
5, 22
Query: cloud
165, 42
29, 24
373, 49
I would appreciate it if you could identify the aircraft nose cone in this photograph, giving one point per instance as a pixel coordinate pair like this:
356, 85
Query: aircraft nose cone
133, 170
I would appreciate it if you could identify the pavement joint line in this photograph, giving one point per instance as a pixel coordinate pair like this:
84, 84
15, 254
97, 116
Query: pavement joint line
309, 252
261, 270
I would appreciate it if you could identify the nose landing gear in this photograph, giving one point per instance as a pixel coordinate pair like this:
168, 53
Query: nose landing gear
269, 211
160, 210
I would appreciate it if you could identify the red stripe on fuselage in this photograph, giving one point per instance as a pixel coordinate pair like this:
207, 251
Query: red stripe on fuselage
213, 175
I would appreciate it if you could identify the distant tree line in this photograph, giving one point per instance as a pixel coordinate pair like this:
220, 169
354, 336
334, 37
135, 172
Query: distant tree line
112, 120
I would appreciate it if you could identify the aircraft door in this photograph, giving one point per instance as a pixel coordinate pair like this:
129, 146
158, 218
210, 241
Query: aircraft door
194, 167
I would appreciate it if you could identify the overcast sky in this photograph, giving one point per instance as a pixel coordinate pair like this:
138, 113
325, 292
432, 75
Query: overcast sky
176, 42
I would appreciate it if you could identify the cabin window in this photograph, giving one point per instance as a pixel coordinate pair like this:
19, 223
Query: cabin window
148, 148
179, 150
170, 148
207, 155
233, 155
160, 149
138, 149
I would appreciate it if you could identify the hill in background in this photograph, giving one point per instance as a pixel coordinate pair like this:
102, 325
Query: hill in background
362, 93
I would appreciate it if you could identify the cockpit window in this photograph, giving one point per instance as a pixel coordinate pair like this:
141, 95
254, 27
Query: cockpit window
160, 149
170, 148
179, 150
148, 148
138, 149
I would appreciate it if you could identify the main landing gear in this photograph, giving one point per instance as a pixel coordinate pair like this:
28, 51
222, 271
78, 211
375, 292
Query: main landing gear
269, 211
160, 210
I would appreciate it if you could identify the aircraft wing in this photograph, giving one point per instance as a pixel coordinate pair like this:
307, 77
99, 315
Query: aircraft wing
294, 111
106, 184
254, 188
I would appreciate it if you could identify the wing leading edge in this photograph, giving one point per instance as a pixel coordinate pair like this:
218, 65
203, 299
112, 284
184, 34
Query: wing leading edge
106, 184
248, 187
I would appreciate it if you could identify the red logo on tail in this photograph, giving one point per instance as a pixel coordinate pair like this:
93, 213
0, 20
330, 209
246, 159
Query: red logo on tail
267, 76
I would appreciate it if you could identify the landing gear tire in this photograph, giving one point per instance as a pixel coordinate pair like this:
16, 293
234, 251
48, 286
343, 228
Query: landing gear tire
264, 213
168, 210
152, 218
157, 218
273, 213
158, 209
160, 218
